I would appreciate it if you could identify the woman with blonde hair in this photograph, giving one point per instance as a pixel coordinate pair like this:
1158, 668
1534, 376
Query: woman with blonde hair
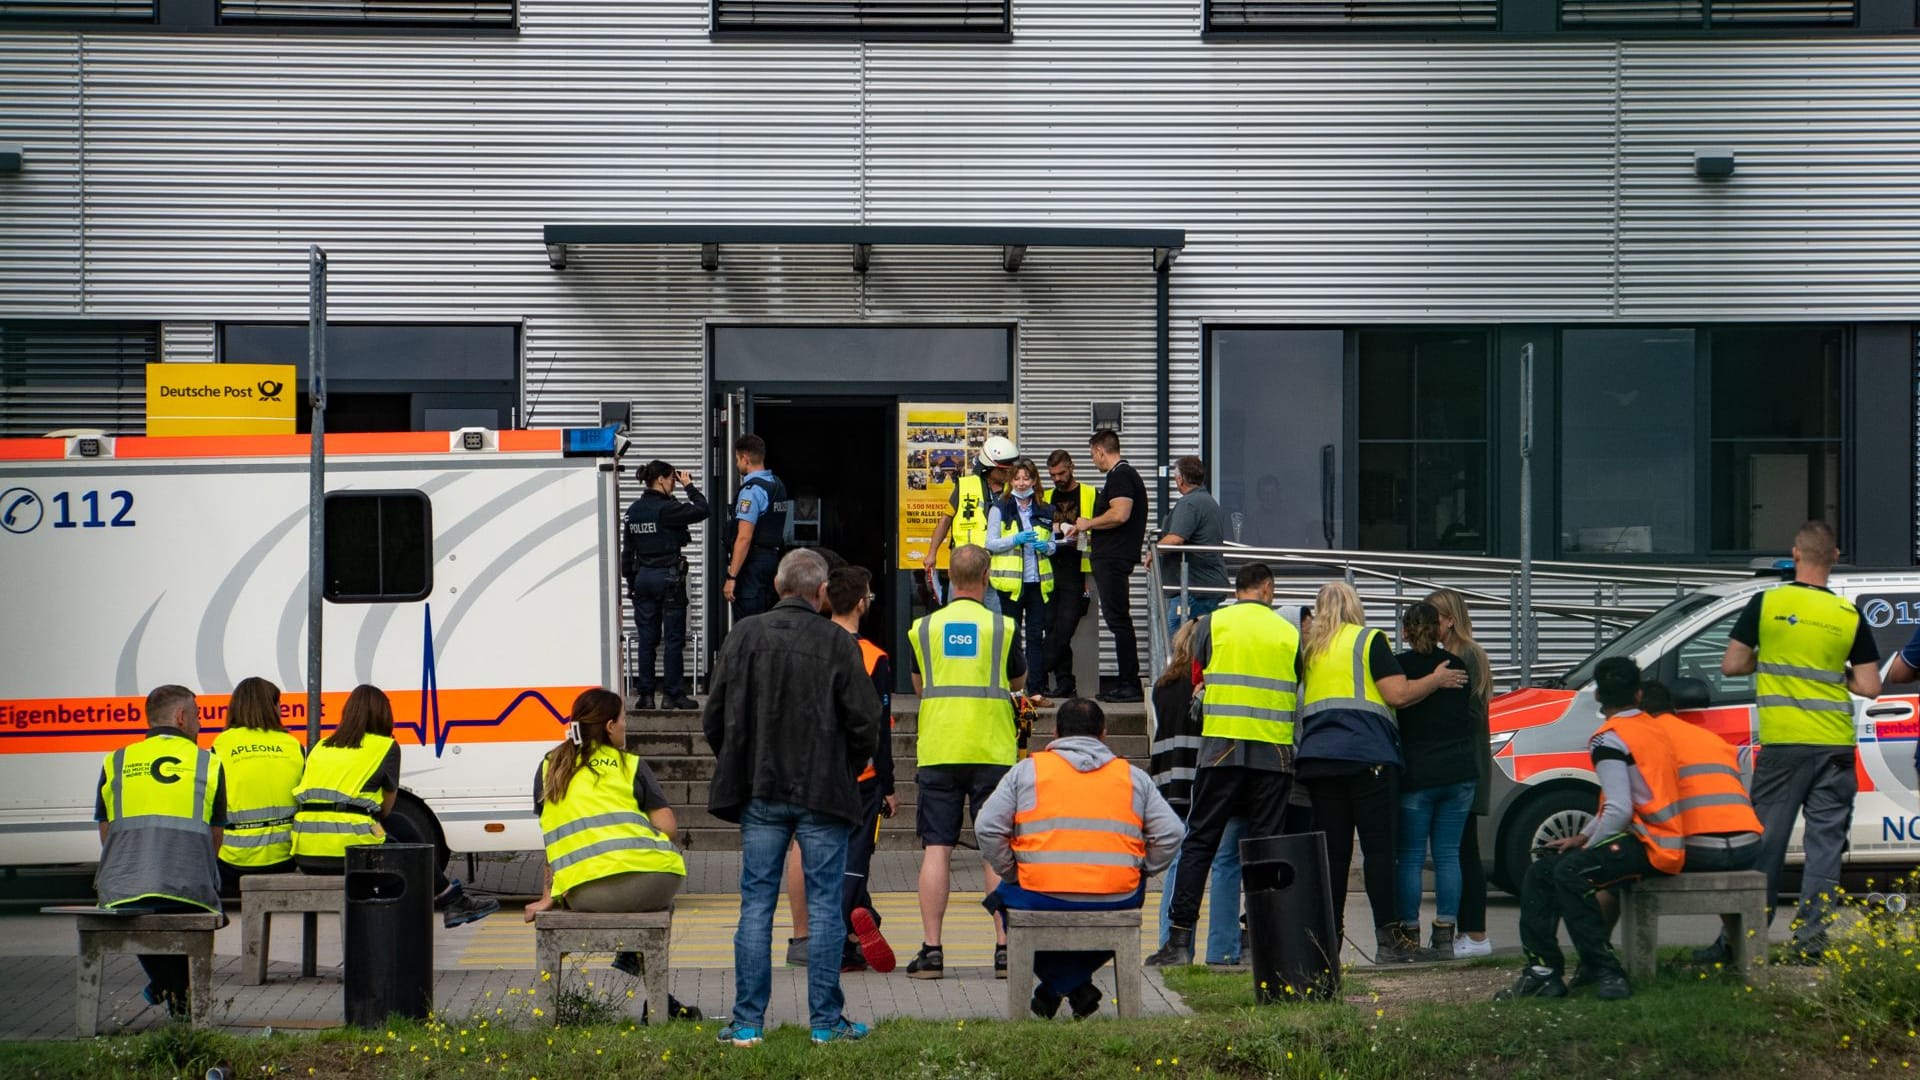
1176, 753
1456, 636
1348, 751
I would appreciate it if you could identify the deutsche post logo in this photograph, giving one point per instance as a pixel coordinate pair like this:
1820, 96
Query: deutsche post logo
270, 389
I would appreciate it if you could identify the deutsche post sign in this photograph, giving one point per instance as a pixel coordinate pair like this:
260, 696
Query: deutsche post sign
220, 399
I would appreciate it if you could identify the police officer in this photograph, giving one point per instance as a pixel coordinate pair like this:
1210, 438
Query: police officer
1248, 654
964, 669
656, 574
1806, 648
160, 804
965, 521
757, 530
261, 762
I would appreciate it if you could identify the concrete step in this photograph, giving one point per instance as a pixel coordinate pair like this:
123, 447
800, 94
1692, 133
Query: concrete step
1121, 719
657, 746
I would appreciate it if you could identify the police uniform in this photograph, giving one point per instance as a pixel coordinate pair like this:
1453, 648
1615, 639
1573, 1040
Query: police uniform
1248, 703
967, 739
762, 502
657, 530
1805, 638
262, 767
161, 798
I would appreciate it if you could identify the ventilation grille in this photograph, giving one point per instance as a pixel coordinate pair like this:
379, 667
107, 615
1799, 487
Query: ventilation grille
864, 16
67, 375
1285, 15
78, 10
496, 13
1704, 14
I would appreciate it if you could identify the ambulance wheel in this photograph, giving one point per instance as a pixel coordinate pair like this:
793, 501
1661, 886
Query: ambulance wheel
1553, 814
420, 822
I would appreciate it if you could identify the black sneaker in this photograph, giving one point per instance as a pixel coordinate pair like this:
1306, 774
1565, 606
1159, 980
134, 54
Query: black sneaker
627, 963
675, 1010
1045, 1003
929, 963
1122, 694
1084, 1001
680, 702
1611, 986
1534, 982
459, 909
999, 961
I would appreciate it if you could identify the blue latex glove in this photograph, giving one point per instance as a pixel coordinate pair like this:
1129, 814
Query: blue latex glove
1026, 537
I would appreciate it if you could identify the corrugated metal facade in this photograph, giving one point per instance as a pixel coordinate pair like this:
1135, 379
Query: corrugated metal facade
179, 178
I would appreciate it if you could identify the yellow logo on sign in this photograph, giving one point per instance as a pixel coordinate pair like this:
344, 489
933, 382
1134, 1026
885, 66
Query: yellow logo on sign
220, 399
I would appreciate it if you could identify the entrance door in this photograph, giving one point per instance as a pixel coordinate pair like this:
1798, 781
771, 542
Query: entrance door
836, 457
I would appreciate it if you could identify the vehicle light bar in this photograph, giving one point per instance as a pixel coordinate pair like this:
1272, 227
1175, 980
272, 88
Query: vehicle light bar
592, 442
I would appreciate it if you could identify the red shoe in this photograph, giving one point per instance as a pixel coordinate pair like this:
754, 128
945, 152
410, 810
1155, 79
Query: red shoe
873, 946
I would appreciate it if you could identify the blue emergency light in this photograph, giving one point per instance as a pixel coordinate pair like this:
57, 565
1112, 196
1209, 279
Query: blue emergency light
592, 442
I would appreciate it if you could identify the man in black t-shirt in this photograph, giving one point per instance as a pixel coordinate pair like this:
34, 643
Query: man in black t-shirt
1116, 530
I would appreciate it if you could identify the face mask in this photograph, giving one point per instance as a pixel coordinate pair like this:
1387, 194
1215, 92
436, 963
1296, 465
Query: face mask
1024, 491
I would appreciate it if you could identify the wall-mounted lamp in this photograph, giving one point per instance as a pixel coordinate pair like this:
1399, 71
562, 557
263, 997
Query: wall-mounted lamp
1107, 415
1715, 163
12, 159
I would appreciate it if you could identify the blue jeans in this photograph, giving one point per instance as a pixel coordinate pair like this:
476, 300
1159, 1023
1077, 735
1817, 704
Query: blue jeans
1223, 909
766, 829
1437, 815
1197, 605
1030, 613
1061, 972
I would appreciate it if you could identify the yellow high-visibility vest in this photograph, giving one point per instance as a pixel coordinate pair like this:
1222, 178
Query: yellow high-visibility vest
159, 794
1251, 688
970, 513
1800, 681
1086, 511
966, 712
333, 810
262, 769
1341, 679
1008, 570
598, 830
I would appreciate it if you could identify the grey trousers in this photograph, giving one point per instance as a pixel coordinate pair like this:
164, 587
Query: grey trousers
1819, 782
625, 892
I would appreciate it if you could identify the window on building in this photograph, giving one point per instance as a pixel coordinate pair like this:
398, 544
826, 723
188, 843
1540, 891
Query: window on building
1422, 443
1245, 16
104, 11
1705, 14
1627, 434
378, 547
58, 374
475, 13
860, 18
395, 376
1277, 469
1775, 433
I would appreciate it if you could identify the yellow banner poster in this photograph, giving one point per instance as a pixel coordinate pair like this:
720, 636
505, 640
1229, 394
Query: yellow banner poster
220, 399
939, 443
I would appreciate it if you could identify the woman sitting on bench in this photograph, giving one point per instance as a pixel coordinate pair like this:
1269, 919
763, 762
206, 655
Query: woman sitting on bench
608, 827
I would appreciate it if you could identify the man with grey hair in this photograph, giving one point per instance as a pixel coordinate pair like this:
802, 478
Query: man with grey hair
792, 718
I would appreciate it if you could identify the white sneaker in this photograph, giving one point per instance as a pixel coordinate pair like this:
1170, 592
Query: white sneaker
1464, 947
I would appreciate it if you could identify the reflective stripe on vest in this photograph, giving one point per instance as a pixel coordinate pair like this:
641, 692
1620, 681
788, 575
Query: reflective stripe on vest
871, 655
597, 830
1008, 570
1656, 822
1713, 792
1086, 511
1083, 833
159, 824
966, 715
1800, 682
1250, 692
262, 769
1340, 678
333, 811
969, 512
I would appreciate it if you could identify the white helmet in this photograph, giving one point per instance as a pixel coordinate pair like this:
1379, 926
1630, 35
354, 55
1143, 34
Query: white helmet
997, 451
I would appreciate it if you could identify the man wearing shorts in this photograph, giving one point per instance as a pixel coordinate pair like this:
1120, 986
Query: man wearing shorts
965, 669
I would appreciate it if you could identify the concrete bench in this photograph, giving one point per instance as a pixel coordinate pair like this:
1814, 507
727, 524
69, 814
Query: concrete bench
262, 896
1117, 932
558, 933
1741, 894
189, 935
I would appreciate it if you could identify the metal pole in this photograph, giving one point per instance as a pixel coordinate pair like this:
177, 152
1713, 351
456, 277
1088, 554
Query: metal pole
1526, 628
316, 475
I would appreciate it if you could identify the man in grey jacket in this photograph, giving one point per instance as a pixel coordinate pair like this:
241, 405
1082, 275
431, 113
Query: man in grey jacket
1075, 828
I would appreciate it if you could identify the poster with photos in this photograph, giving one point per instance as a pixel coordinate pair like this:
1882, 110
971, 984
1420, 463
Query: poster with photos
938, 444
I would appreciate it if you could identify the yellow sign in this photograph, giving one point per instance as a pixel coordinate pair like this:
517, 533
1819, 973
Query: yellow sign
938, 443
220, 399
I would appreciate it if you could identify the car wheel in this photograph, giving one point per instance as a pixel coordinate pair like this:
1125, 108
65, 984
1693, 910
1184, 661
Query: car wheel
419, 822
1553, 814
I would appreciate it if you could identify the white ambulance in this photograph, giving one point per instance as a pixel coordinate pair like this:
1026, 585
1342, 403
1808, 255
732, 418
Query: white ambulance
471, 575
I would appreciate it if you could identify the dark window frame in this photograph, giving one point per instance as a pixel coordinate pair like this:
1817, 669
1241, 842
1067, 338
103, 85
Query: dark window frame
840, 32
382, 596
203, 17
1541, 19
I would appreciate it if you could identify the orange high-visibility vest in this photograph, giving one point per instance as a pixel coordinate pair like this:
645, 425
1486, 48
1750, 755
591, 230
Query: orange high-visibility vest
872, 654
1657, 821
1084, 834
1713, 794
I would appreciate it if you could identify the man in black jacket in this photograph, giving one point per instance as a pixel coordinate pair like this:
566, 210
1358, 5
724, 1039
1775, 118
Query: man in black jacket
656, 573
792, 718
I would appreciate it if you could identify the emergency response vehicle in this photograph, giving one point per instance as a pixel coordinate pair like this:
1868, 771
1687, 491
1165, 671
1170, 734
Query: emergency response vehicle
1543, 781
472, 575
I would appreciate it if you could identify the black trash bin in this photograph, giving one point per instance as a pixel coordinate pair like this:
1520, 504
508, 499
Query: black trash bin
389, 933
1290, 918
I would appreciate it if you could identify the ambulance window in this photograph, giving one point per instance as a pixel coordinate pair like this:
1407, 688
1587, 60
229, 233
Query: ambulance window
1699, 658
378, 547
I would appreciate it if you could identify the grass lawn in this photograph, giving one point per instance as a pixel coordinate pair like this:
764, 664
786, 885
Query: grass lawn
1417, 1023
